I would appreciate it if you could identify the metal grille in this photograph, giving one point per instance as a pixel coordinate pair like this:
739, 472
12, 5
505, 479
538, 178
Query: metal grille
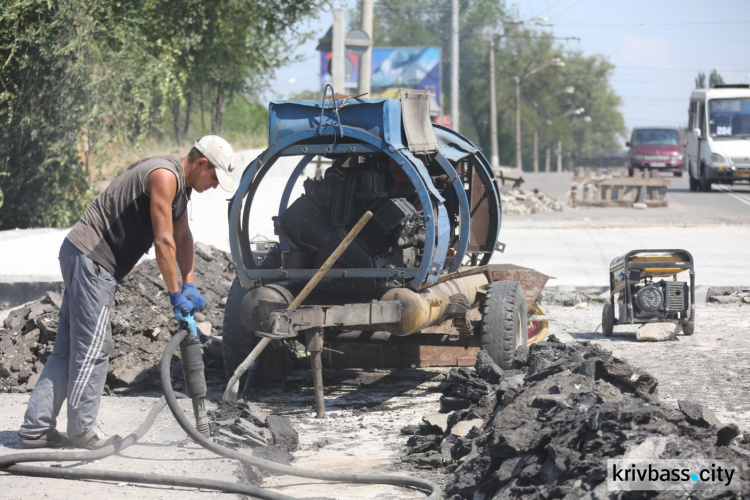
741, 161
676, 296
657, 157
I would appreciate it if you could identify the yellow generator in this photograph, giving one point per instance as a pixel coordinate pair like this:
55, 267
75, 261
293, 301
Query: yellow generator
645, 287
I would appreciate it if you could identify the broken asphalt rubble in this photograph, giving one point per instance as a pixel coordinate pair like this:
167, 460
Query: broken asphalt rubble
546, 427
141, 327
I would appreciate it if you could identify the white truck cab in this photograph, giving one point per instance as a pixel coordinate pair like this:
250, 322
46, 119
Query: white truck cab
718, 139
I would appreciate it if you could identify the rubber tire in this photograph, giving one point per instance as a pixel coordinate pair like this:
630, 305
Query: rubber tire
608, 320
693, 183
238, 341
703, 183
505, 322
688, 327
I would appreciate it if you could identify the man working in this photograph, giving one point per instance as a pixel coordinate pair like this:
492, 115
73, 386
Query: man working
145, 205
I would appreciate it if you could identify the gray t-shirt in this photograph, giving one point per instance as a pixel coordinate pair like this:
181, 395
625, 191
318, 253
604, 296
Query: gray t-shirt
115, 231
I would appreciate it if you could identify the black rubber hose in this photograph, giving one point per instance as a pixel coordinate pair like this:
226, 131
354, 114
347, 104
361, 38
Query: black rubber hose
88, 455
132, 477
166, 382
9, 463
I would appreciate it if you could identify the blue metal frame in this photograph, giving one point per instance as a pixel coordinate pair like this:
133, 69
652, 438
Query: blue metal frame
455, 147
260, 166
295, 130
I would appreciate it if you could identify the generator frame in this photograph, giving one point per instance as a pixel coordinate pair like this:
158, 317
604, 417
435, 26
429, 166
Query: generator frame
642, 266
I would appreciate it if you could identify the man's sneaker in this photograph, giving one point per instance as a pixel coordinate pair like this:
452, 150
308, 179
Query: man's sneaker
93, 439
50, 439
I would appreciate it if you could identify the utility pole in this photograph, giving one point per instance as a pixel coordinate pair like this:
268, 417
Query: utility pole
519, 163
338, 72
494, 159
365, 60
454, 65
536, 151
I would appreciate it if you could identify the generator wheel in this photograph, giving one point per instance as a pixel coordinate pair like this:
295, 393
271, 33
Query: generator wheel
688, 327
238, 341
505, 322
537, 328
608, 319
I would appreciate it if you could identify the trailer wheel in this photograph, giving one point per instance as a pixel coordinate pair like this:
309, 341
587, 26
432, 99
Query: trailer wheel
608, 320
688, 327
238, 341
504, 322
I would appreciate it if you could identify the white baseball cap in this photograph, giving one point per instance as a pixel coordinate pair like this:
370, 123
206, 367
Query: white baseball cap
220, 154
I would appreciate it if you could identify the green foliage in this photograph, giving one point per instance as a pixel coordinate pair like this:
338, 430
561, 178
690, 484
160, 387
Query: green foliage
43, 49
244, 123
78, 77
715, 79
700, 80
215, 51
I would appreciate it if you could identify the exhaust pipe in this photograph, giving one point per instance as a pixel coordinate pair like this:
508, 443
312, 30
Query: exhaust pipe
429, 306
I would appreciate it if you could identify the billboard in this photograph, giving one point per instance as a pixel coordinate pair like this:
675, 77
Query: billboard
393, 68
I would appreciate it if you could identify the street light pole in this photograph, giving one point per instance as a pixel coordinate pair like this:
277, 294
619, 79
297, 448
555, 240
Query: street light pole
365, 60
495, 157
517, 81
454, 65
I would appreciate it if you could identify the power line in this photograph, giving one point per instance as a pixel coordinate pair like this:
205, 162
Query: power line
603, 25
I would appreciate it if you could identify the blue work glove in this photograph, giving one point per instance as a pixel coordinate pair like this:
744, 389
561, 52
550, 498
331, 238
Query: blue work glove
181, 302
193, 295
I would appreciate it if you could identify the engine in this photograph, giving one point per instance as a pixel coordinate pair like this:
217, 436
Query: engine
317, 221
662, 299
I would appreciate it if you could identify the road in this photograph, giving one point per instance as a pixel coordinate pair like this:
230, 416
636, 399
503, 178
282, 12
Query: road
577, 245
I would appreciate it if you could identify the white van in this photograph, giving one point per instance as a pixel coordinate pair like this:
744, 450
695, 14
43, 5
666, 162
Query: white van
718, 139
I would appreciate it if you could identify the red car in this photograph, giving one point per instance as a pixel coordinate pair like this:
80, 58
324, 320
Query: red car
657, 148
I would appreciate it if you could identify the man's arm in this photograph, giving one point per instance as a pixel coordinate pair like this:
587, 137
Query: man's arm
185, 256
162, 188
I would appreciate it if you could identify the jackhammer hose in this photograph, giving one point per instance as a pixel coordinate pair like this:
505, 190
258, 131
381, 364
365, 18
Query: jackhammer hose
166, 382
10, 463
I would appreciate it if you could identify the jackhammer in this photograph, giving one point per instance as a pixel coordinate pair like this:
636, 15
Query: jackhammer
192, 369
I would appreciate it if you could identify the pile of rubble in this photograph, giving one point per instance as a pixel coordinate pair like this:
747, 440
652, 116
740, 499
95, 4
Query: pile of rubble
142, 324
572, 296
244, 425
728, 295
546, 427
518, 201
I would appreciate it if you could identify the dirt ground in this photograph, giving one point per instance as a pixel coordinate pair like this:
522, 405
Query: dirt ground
367, 410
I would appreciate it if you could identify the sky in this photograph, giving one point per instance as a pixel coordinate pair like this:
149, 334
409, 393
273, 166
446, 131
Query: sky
657, 46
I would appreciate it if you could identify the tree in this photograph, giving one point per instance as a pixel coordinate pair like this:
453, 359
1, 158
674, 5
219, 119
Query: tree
43, 48
700, 80
715, 79
215, 50
78, 75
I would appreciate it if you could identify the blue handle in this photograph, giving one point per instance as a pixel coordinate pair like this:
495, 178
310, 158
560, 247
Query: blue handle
187, 322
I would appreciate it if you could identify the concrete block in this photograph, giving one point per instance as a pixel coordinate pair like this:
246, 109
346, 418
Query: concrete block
462, 428
657, 332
